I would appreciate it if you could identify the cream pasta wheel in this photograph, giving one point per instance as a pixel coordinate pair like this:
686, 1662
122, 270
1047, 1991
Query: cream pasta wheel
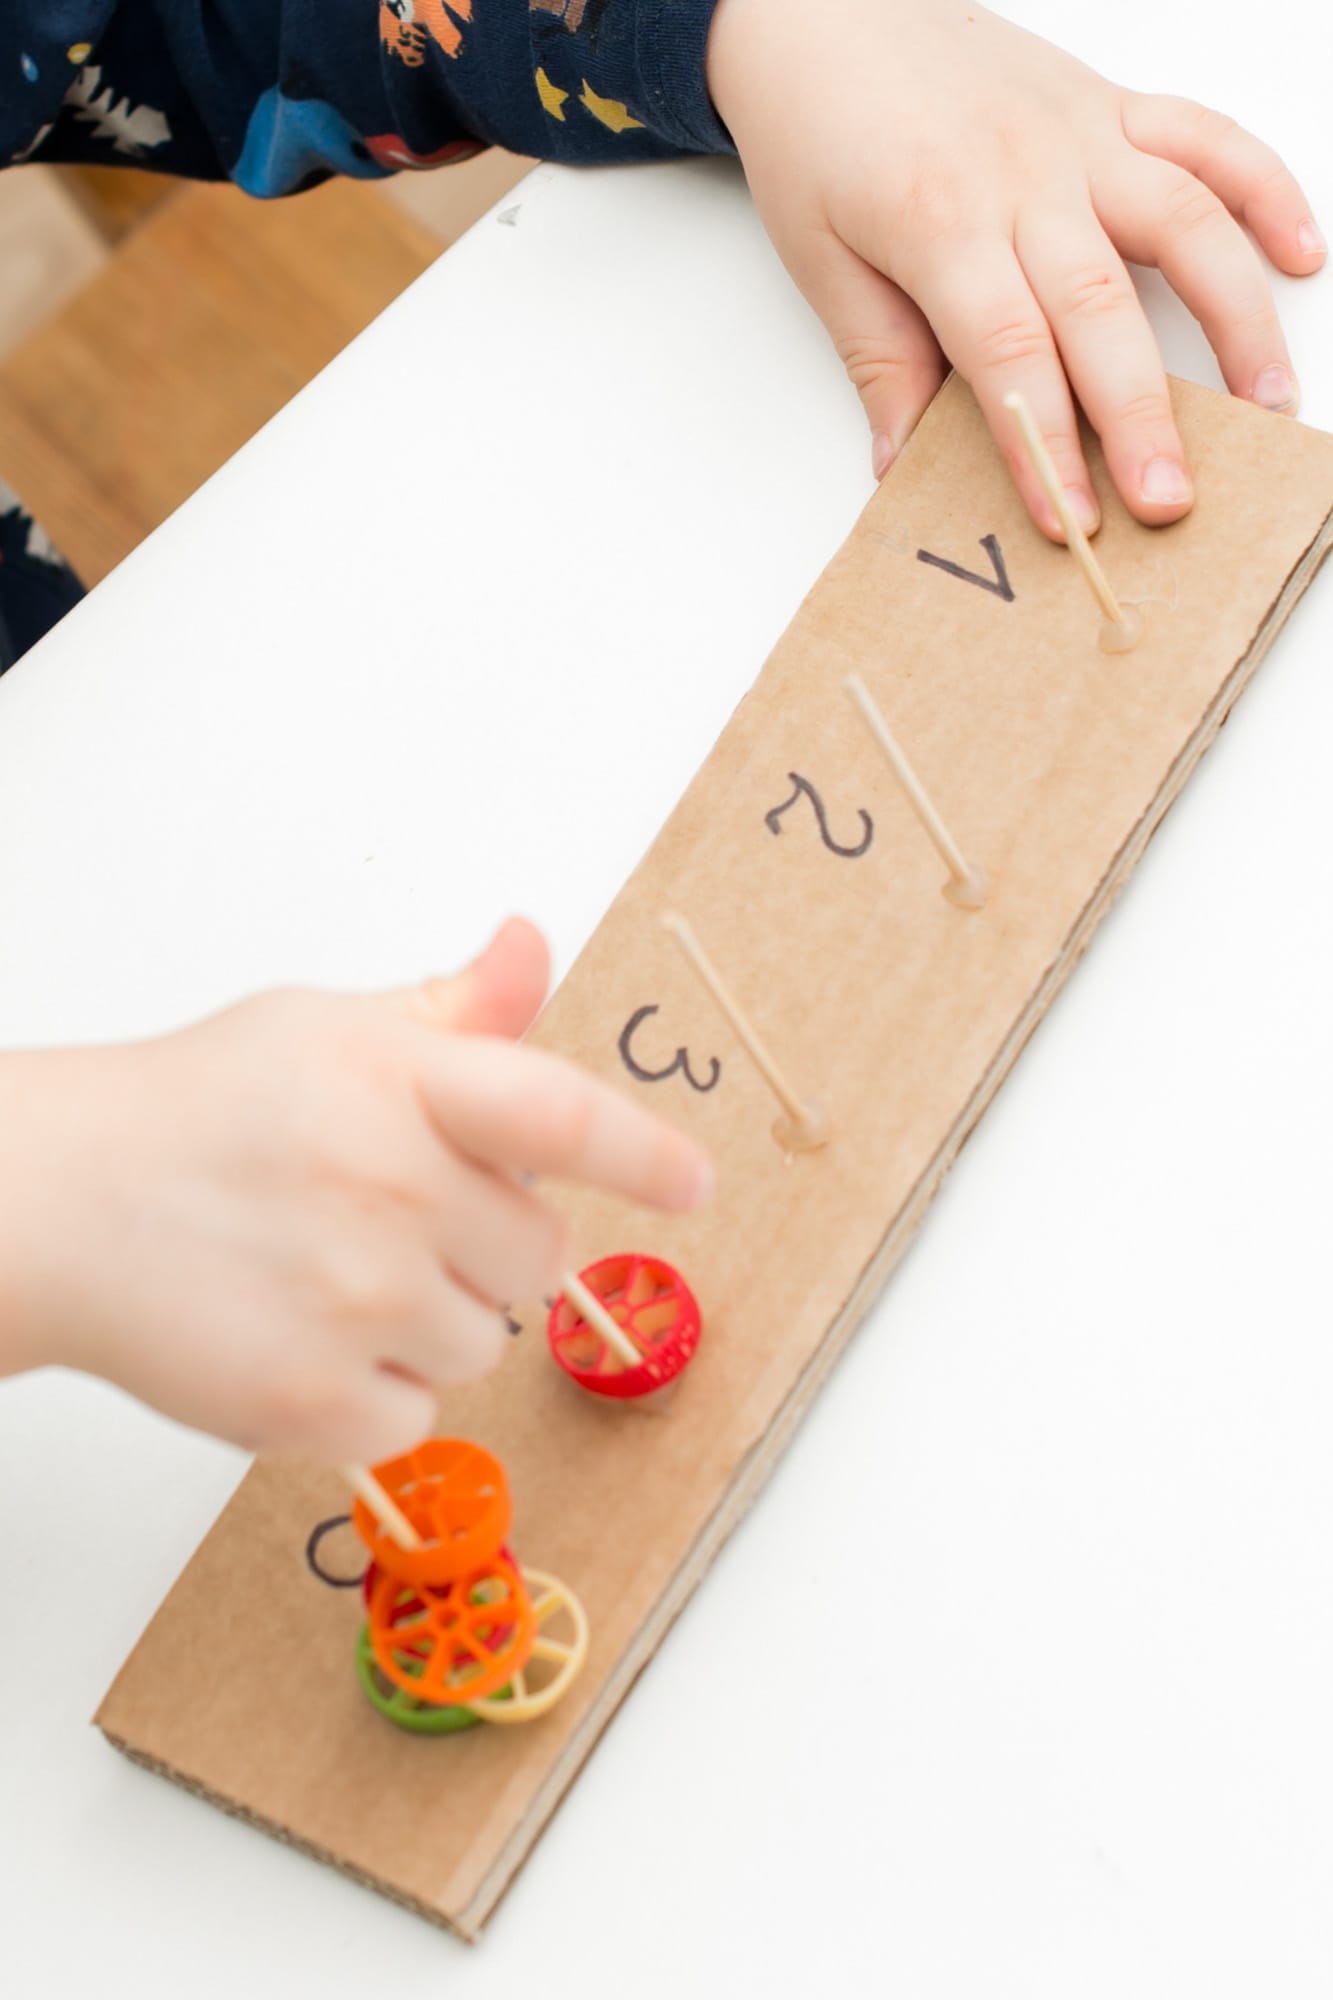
555, 1661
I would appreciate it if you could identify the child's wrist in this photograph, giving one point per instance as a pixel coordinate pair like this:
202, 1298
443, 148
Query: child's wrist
20, 1345
720, 60
39, 1116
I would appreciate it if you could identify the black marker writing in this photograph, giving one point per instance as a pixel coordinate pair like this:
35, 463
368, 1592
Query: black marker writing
317, 1535
804, 789
679, 1064
999, 584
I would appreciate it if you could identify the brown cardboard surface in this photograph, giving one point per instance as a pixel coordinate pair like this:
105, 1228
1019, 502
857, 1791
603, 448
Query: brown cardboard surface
1053, 763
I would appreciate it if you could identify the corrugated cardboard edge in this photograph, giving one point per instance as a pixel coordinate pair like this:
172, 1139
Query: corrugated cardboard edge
235, 1810
756, 1468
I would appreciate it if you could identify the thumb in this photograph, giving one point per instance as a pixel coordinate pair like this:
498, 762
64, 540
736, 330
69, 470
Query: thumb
500, 993
884, 342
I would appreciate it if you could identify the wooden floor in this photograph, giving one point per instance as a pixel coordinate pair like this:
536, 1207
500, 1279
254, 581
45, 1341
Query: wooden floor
197, 313
48, 249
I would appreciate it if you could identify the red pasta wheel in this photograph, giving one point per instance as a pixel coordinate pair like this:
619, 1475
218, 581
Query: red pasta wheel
652, 1302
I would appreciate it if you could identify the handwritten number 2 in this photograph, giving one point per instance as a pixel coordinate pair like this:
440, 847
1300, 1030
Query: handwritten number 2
678, 1066
805, 790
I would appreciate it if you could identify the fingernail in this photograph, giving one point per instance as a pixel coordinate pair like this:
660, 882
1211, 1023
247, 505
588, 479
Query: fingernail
1310, 240
1165, 483
436, 995
1084, 508
882, 453
1274, 388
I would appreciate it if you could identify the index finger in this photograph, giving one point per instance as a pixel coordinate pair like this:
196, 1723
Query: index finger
990, 325
522, 1109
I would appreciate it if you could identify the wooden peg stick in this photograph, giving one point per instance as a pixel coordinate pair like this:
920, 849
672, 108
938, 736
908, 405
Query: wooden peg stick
383, 1506
966, 886
803, 1126
595, 1312
1122, 626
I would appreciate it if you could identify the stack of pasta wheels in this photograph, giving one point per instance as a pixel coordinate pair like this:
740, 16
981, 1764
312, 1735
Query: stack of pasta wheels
456, 1633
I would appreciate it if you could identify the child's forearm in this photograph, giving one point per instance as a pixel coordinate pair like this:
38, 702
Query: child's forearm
296, 93
32, 1108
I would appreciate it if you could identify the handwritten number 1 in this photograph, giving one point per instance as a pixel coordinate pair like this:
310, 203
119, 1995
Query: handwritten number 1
999, 585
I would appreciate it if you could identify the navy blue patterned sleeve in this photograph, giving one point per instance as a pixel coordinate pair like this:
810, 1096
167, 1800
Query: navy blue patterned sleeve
279, 94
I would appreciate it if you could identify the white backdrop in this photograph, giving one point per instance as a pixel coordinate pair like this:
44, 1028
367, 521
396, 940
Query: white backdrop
1082, 1742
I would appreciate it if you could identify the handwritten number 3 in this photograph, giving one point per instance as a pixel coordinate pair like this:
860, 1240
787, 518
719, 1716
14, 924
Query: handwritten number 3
678, 1066
804, 789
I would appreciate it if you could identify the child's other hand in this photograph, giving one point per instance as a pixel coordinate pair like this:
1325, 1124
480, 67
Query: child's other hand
936, 178
282, 1224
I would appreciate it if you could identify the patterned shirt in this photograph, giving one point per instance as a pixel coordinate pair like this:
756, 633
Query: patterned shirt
277, 95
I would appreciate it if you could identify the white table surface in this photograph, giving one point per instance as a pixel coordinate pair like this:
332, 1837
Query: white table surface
564, 495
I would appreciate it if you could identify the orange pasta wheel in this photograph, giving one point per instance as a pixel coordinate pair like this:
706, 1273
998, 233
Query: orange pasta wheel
457, 1498
455, 1642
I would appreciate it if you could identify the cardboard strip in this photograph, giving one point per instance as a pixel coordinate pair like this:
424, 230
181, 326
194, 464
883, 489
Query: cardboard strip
805, 875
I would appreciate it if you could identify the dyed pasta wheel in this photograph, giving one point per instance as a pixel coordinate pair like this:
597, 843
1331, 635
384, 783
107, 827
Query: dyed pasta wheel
456, 1497
448, 1644
424, 1718
658, 1311
408, 1600
555, 1660
408, 1711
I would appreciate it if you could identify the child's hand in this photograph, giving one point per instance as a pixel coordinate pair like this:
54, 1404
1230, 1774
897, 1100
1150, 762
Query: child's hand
922, 164
282, 1224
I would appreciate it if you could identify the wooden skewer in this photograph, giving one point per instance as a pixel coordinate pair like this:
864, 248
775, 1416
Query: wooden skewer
383, 1506
596, 1314
1124, 626
966, 886
804, 1126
